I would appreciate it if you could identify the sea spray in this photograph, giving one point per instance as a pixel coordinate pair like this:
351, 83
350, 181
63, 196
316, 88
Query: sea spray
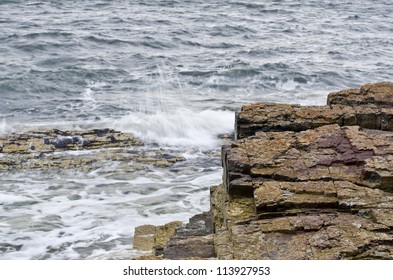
5, 128
181, 127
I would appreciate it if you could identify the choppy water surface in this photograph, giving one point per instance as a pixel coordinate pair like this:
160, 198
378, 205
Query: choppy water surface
172, 72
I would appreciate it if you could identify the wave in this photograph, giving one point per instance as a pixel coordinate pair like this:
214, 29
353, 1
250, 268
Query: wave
180, 127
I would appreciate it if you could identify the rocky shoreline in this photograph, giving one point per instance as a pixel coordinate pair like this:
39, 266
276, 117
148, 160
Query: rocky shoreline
299, 182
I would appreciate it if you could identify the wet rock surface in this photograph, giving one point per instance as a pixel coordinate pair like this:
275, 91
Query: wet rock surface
81, 150
306, 182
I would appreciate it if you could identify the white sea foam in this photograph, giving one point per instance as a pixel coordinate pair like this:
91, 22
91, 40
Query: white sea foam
10, 198
180, 127
105, 211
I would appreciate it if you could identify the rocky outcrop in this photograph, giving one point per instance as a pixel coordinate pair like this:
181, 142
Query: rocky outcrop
313, 182
309, 182
84, 150
372, 95
370, 107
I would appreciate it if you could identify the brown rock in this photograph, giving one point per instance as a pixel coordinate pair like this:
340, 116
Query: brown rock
165, 232
368, 107
144, 237
310, 236
379, 94
194, 240
192, 247
326, 153
149, 237
309, 182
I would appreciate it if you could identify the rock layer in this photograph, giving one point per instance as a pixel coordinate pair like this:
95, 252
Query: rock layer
370, 107
84, 150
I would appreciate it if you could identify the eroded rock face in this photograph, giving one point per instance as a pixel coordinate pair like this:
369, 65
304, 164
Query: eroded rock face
83, 150
370, 107
328, 153
309, 182
329, 235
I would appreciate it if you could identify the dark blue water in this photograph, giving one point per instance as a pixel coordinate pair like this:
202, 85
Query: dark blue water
172, 72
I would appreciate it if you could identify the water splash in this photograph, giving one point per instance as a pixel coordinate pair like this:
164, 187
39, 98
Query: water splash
181, 127
5, 128
88, 98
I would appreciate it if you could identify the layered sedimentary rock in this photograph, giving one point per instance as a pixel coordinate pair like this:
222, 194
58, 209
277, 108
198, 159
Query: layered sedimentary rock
194, 240
309, 182
306, 182
370, 107
83, 150
378, 94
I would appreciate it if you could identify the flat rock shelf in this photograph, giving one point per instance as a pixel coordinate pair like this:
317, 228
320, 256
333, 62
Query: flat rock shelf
81, 150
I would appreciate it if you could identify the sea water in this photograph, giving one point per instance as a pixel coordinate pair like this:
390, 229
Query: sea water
173, 73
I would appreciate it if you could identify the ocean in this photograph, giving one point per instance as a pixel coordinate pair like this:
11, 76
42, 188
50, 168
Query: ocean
173, 73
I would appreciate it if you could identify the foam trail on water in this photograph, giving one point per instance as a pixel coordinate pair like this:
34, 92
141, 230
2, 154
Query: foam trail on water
181, 127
